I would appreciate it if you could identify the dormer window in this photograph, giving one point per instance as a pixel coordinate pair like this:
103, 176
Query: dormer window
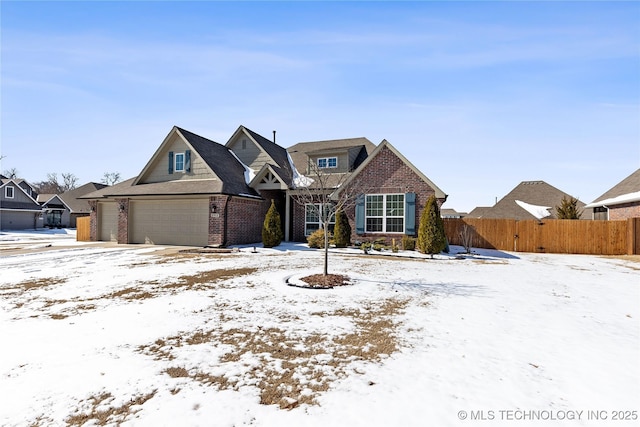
179, 162
327, 162
8, 192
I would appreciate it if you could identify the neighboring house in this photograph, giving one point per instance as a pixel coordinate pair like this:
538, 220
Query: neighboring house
19, 209
478, 212
622, 201
196, 192
528, 200
62, 210
452, 213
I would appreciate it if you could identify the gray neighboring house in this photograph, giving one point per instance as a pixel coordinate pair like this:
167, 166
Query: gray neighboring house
528, 200
62, 210
19, 209
622, 201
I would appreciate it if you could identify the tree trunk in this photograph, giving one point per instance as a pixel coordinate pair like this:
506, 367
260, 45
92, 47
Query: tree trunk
326, 249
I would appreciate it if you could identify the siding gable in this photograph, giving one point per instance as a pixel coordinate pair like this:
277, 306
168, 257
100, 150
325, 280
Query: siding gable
248, 151
159, 170
20, 196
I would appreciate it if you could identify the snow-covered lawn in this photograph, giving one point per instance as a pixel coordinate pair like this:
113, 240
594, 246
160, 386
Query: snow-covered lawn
136, 335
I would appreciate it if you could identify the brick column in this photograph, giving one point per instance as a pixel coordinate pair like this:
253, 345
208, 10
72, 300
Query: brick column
93, 220
123, 220
217, 220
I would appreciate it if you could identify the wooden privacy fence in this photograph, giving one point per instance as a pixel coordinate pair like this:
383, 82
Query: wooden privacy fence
552, 236
83, 229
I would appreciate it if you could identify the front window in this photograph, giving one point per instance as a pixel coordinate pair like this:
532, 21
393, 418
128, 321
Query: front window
384, 213
180, 162
312, 220
8, 192
328, 162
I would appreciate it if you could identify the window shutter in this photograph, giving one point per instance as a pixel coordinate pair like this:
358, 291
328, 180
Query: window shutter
170, 162
360, 214
187, 161
410, 214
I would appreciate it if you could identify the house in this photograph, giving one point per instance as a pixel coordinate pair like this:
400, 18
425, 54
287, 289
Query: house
622, 201
197, 192
19, 209
62, 210
528, 200
452, 213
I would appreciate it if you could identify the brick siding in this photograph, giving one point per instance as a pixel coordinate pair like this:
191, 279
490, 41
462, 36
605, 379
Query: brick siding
624, 211
384, 174
245, 218
123, 220
93, 220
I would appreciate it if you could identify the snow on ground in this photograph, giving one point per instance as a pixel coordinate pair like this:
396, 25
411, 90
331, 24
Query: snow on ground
135, 335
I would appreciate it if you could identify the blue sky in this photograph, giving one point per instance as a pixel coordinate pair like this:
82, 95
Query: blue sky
478, 95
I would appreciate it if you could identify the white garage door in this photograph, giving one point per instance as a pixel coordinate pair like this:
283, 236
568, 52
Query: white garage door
169, 222
108, 222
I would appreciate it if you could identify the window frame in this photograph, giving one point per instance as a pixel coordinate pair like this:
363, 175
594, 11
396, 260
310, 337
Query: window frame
327, 162
175, 162
379, 215
318, 206
6, 192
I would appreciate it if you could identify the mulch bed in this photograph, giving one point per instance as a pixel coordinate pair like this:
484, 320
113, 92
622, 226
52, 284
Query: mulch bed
325, 282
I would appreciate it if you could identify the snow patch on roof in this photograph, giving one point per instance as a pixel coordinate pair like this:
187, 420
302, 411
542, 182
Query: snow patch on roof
249, 173
299, 180
537, 211
624, 198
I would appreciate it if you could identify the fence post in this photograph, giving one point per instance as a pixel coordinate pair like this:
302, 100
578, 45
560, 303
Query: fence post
633, 246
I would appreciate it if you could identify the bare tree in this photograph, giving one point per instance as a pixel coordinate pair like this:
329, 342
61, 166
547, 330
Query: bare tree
325, 193
69, 181
11, 173
53, 185
111, 178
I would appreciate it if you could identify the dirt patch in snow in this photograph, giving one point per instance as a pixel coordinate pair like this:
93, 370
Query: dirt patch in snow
293, 369
101, 411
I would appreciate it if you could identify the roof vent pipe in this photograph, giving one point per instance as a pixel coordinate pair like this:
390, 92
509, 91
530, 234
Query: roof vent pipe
274, 136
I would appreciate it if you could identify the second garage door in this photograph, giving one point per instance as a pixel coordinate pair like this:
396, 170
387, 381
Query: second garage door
169, 222
108, 222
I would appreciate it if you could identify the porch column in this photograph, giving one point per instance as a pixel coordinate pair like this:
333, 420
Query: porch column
287, 219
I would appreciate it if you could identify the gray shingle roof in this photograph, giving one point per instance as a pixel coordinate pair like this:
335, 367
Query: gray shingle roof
8, 204
300, 152
630, 184
72, 197
223, 163
537, 193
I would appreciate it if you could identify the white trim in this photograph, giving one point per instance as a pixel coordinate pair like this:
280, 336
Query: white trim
319, 210
21, 210
384, 213
619, 200
327, 159
175, 162
13, 192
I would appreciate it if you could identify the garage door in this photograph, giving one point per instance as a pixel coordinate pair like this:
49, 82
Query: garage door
169, 222
108, 222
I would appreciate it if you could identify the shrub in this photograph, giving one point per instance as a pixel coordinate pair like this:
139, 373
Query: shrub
342, 230
568, 209
431, 237
408, 243
272, 230
316, 239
